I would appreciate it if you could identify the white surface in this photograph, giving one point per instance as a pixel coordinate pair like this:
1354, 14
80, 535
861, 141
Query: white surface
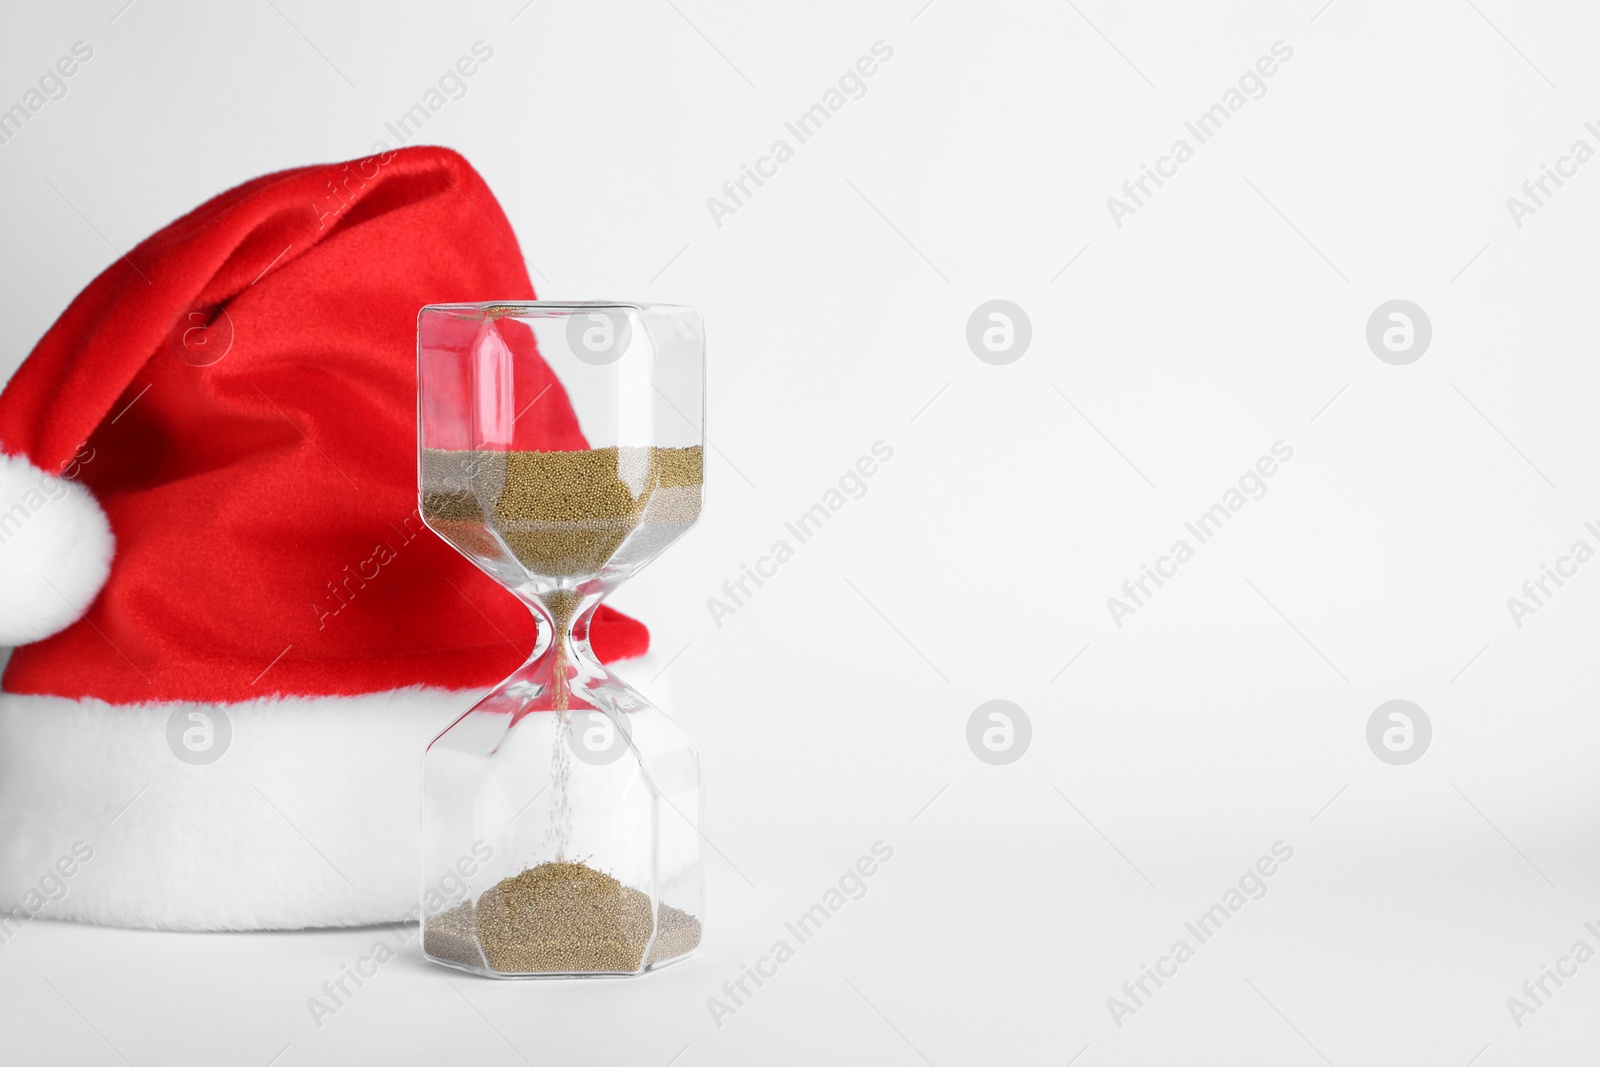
1226, 315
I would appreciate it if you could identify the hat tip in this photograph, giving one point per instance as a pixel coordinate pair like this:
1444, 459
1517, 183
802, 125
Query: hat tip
55, 551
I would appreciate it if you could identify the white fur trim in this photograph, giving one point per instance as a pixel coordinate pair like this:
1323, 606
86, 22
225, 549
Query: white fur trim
311, 817
55, 551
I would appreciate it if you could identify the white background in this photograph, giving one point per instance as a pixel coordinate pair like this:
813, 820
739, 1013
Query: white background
1227, 314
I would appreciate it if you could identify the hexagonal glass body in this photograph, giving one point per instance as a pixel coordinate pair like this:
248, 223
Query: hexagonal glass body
561, 812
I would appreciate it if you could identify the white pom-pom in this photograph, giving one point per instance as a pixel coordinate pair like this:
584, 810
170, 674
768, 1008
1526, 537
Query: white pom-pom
55, 551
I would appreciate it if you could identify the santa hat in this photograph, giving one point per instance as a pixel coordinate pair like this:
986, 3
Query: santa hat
237, 635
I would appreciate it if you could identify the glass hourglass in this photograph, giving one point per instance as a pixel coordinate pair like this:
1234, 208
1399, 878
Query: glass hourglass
560, 451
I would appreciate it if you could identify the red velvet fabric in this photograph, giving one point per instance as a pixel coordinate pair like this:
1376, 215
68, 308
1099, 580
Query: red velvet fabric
245, 383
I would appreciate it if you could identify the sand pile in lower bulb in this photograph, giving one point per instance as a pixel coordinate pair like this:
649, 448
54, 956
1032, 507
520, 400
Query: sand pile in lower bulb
557, 918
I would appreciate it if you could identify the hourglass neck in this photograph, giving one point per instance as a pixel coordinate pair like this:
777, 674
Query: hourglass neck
566, 614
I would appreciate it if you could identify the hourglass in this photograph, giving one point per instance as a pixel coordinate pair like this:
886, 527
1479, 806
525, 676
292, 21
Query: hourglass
560, 451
